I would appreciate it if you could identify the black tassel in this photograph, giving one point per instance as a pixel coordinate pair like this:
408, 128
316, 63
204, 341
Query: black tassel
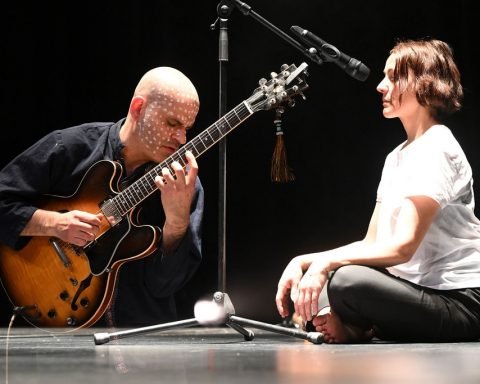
280, 172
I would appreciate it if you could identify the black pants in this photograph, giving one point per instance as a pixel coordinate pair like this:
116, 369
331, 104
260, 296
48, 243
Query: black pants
398, 310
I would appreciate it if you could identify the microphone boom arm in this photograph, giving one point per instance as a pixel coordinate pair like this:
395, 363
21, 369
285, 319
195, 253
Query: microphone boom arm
329, 53
247, 11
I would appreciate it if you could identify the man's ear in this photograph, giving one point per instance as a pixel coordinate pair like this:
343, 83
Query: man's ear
136, 106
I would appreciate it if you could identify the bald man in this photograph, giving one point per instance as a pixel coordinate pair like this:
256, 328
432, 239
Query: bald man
163, 108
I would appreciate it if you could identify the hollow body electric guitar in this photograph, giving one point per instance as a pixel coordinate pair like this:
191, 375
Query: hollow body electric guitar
56, 284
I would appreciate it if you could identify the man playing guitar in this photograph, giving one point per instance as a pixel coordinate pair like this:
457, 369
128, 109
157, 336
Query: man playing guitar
83, 231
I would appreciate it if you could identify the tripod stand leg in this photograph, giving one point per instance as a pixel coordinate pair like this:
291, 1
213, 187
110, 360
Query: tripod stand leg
105, 337
247, 335
313, 337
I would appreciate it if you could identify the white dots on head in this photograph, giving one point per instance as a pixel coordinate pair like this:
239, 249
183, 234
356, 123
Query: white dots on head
170, 96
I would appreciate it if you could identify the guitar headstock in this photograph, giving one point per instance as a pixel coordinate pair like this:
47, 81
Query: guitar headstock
280, 89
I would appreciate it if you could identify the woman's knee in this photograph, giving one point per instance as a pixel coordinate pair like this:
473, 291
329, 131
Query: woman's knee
348, 290
351, 279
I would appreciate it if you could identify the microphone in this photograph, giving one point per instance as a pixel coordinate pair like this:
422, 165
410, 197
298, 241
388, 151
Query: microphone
328, 52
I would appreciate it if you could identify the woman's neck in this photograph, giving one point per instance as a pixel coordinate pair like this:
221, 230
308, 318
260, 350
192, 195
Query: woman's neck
418, 125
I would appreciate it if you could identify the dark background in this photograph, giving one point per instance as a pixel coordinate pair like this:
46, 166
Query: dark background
66, 63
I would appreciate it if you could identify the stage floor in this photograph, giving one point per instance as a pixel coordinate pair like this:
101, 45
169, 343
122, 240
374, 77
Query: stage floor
221, 355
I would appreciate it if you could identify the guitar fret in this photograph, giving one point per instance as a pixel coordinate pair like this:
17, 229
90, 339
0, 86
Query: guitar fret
226, 120
141, 186
217, 136
235, 116
208, 133
234, 111
198, 142
158, 167
221, 130
129, 197
177, 158
138, 189
114, 211
132, 196
121, 199
134, 190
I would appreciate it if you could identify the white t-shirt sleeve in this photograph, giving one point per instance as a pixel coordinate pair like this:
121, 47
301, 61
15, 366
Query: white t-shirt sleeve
433, 174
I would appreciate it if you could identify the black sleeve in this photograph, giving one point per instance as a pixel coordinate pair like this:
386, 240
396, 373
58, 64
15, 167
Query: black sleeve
23, 181
166, 274
54, 165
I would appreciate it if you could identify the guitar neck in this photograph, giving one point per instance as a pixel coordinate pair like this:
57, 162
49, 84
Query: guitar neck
145, 186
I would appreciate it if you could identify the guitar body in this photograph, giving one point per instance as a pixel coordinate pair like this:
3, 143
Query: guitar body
56, 284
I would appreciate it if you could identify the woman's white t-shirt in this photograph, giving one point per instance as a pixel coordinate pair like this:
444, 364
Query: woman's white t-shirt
434, 165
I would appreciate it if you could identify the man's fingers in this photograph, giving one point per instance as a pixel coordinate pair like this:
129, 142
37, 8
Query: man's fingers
179, 173
167, 176
193, 166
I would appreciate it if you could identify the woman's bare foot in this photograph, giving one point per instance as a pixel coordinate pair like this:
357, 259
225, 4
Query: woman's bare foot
335, 331
298, 321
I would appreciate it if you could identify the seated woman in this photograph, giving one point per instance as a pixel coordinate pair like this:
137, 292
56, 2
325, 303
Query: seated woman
416, 274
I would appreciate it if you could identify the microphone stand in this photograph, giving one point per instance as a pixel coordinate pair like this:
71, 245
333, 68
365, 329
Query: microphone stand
224, 9
221, 298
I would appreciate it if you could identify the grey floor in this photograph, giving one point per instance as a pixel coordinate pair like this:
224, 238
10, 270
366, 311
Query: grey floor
221, 355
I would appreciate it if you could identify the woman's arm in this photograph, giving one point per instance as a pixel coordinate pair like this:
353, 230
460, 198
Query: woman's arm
415, 216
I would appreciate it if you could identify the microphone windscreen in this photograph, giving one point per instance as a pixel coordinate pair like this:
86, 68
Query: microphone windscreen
208, 312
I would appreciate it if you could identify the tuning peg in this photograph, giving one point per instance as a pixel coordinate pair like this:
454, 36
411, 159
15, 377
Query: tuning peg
303, 96
291, 103
284, 67
273, 75
262, 81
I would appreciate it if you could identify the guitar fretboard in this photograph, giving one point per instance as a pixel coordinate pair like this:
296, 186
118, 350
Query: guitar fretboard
142, 188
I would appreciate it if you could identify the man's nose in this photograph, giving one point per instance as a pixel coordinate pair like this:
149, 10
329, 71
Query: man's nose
180, 134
